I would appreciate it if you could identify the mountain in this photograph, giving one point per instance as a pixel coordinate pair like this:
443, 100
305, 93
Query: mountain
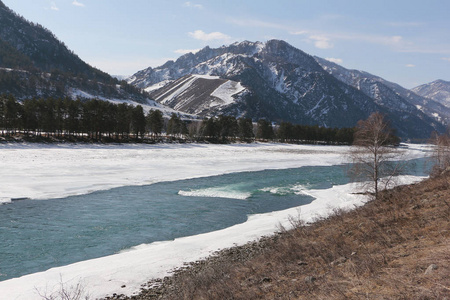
386, 93
198, 94
34, 63
281, 84
438, 90
276, 81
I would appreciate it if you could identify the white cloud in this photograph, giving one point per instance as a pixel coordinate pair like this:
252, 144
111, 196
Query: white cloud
53, 6
324, 39
76, 3
446, 58
396, 43
335, 60
194, 5
410, 66
425, 48
396, 39
184, 51
203, 36
299, 32
321, 42
405, 24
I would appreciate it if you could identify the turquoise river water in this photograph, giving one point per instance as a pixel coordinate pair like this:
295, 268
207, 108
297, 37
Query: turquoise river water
36, 235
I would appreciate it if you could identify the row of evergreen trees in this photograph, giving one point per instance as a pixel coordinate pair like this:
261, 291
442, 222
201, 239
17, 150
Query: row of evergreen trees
98, 120
67, 117
228, 128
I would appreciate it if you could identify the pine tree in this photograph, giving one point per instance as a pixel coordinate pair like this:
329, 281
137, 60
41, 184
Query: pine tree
264, 130
155, 121
123, 118
72, 121
285, 132
245, 129
210, 129
175, 125
138, 121
227, 127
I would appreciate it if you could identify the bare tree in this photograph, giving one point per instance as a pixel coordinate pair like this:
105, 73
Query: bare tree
65, 292
441, 154
372, 153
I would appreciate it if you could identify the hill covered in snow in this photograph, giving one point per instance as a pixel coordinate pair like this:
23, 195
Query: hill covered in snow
438, 90
279, 82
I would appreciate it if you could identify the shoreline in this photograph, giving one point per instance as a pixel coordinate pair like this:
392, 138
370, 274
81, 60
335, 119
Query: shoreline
107, 275
49, 171
126, 272
395, 246
43, 171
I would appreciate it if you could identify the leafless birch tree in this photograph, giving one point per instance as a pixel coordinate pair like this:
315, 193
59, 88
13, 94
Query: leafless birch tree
372, 154
441, 153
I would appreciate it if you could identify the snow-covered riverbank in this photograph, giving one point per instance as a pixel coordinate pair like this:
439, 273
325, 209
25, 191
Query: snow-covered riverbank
53, 171
40, 171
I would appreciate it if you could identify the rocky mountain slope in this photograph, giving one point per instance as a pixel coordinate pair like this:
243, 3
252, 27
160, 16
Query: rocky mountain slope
438, 90
279, 83
386, 93
196, 94
34, 63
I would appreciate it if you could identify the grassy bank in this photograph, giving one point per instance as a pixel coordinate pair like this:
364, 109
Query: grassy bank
397, 247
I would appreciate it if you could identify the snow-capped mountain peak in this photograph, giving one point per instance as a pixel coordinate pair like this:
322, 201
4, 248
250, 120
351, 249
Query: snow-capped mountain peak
279, 82
388, 94
438, 90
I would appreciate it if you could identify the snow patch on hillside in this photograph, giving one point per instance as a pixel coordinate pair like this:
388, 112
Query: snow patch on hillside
149, 105
210, 77
157, 86
227, 90
76, 93
178, 90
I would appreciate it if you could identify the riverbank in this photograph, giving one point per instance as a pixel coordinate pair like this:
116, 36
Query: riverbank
40, 171
46, 171
396, 247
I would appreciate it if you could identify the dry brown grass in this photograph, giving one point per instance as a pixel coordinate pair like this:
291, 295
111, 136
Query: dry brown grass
378, 251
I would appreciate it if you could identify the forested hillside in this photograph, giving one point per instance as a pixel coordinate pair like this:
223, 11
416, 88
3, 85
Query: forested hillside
34, 63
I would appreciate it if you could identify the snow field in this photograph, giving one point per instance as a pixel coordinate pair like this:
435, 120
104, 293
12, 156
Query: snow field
55, 171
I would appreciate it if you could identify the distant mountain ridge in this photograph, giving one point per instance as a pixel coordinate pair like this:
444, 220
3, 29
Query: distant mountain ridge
261, 69
438, 90
281, 83
386, 93
195, 64
271, 80
34, 63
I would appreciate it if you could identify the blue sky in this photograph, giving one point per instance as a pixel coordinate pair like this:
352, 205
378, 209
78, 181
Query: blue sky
407, 42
